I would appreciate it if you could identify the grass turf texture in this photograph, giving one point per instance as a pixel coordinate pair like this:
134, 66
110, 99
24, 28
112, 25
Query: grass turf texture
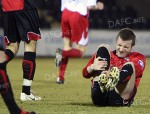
73, 97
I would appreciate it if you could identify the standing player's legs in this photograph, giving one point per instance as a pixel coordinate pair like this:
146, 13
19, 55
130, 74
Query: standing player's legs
67, 53
28, 66
27, 30
5, 87
64, 60
11, 36
74, 30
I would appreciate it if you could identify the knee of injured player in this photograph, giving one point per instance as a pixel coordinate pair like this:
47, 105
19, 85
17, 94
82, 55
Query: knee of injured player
31, 46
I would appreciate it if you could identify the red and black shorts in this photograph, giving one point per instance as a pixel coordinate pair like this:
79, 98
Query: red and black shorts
22, 25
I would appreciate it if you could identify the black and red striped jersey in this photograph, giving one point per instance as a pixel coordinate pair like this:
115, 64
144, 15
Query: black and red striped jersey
14, 5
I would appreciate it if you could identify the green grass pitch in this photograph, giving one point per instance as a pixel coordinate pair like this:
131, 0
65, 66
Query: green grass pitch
73, 97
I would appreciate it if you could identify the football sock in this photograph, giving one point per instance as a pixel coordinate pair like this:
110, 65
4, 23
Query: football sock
28, 66
9, 55
62, 68
125, 73
11, 104
6, 91
103, 53
72, 53
66, 55
26, 86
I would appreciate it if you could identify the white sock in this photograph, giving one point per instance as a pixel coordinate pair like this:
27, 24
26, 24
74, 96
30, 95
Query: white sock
27, 82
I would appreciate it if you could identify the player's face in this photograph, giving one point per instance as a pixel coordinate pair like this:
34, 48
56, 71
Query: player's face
123, 48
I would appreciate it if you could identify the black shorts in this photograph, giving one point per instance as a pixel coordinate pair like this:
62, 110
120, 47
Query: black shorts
21, 25
1, 43
109, 98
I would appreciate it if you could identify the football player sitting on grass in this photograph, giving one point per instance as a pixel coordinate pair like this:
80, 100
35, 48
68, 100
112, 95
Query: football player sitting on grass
116, 74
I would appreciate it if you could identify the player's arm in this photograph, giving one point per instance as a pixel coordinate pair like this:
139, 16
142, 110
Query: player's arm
85, 72
139, 62
94, 64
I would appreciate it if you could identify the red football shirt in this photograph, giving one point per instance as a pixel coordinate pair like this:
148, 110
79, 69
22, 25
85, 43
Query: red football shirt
12, 5
15, 5
135, 57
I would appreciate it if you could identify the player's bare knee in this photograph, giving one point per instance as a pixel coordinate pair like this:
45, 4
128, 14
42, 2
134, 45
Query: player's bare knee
131, 63
2, 57
14, 47
106, 46
31, 46
67, 47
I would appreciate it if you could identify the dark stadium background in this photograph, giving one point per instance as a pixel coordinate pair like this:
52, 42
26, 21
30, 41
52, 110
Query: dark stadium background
104, 25
114, 11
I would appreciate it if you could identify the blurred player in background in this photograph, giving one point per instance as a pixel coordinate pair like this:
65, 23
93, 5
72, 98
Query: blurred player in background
5, 86
74, 25
116, 74
21, 23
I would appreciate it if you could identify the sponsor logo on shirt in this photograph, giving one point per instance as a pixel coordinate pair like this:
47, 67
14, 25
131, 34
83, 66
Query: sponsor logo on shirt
141, 63
124, 70
127, 59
